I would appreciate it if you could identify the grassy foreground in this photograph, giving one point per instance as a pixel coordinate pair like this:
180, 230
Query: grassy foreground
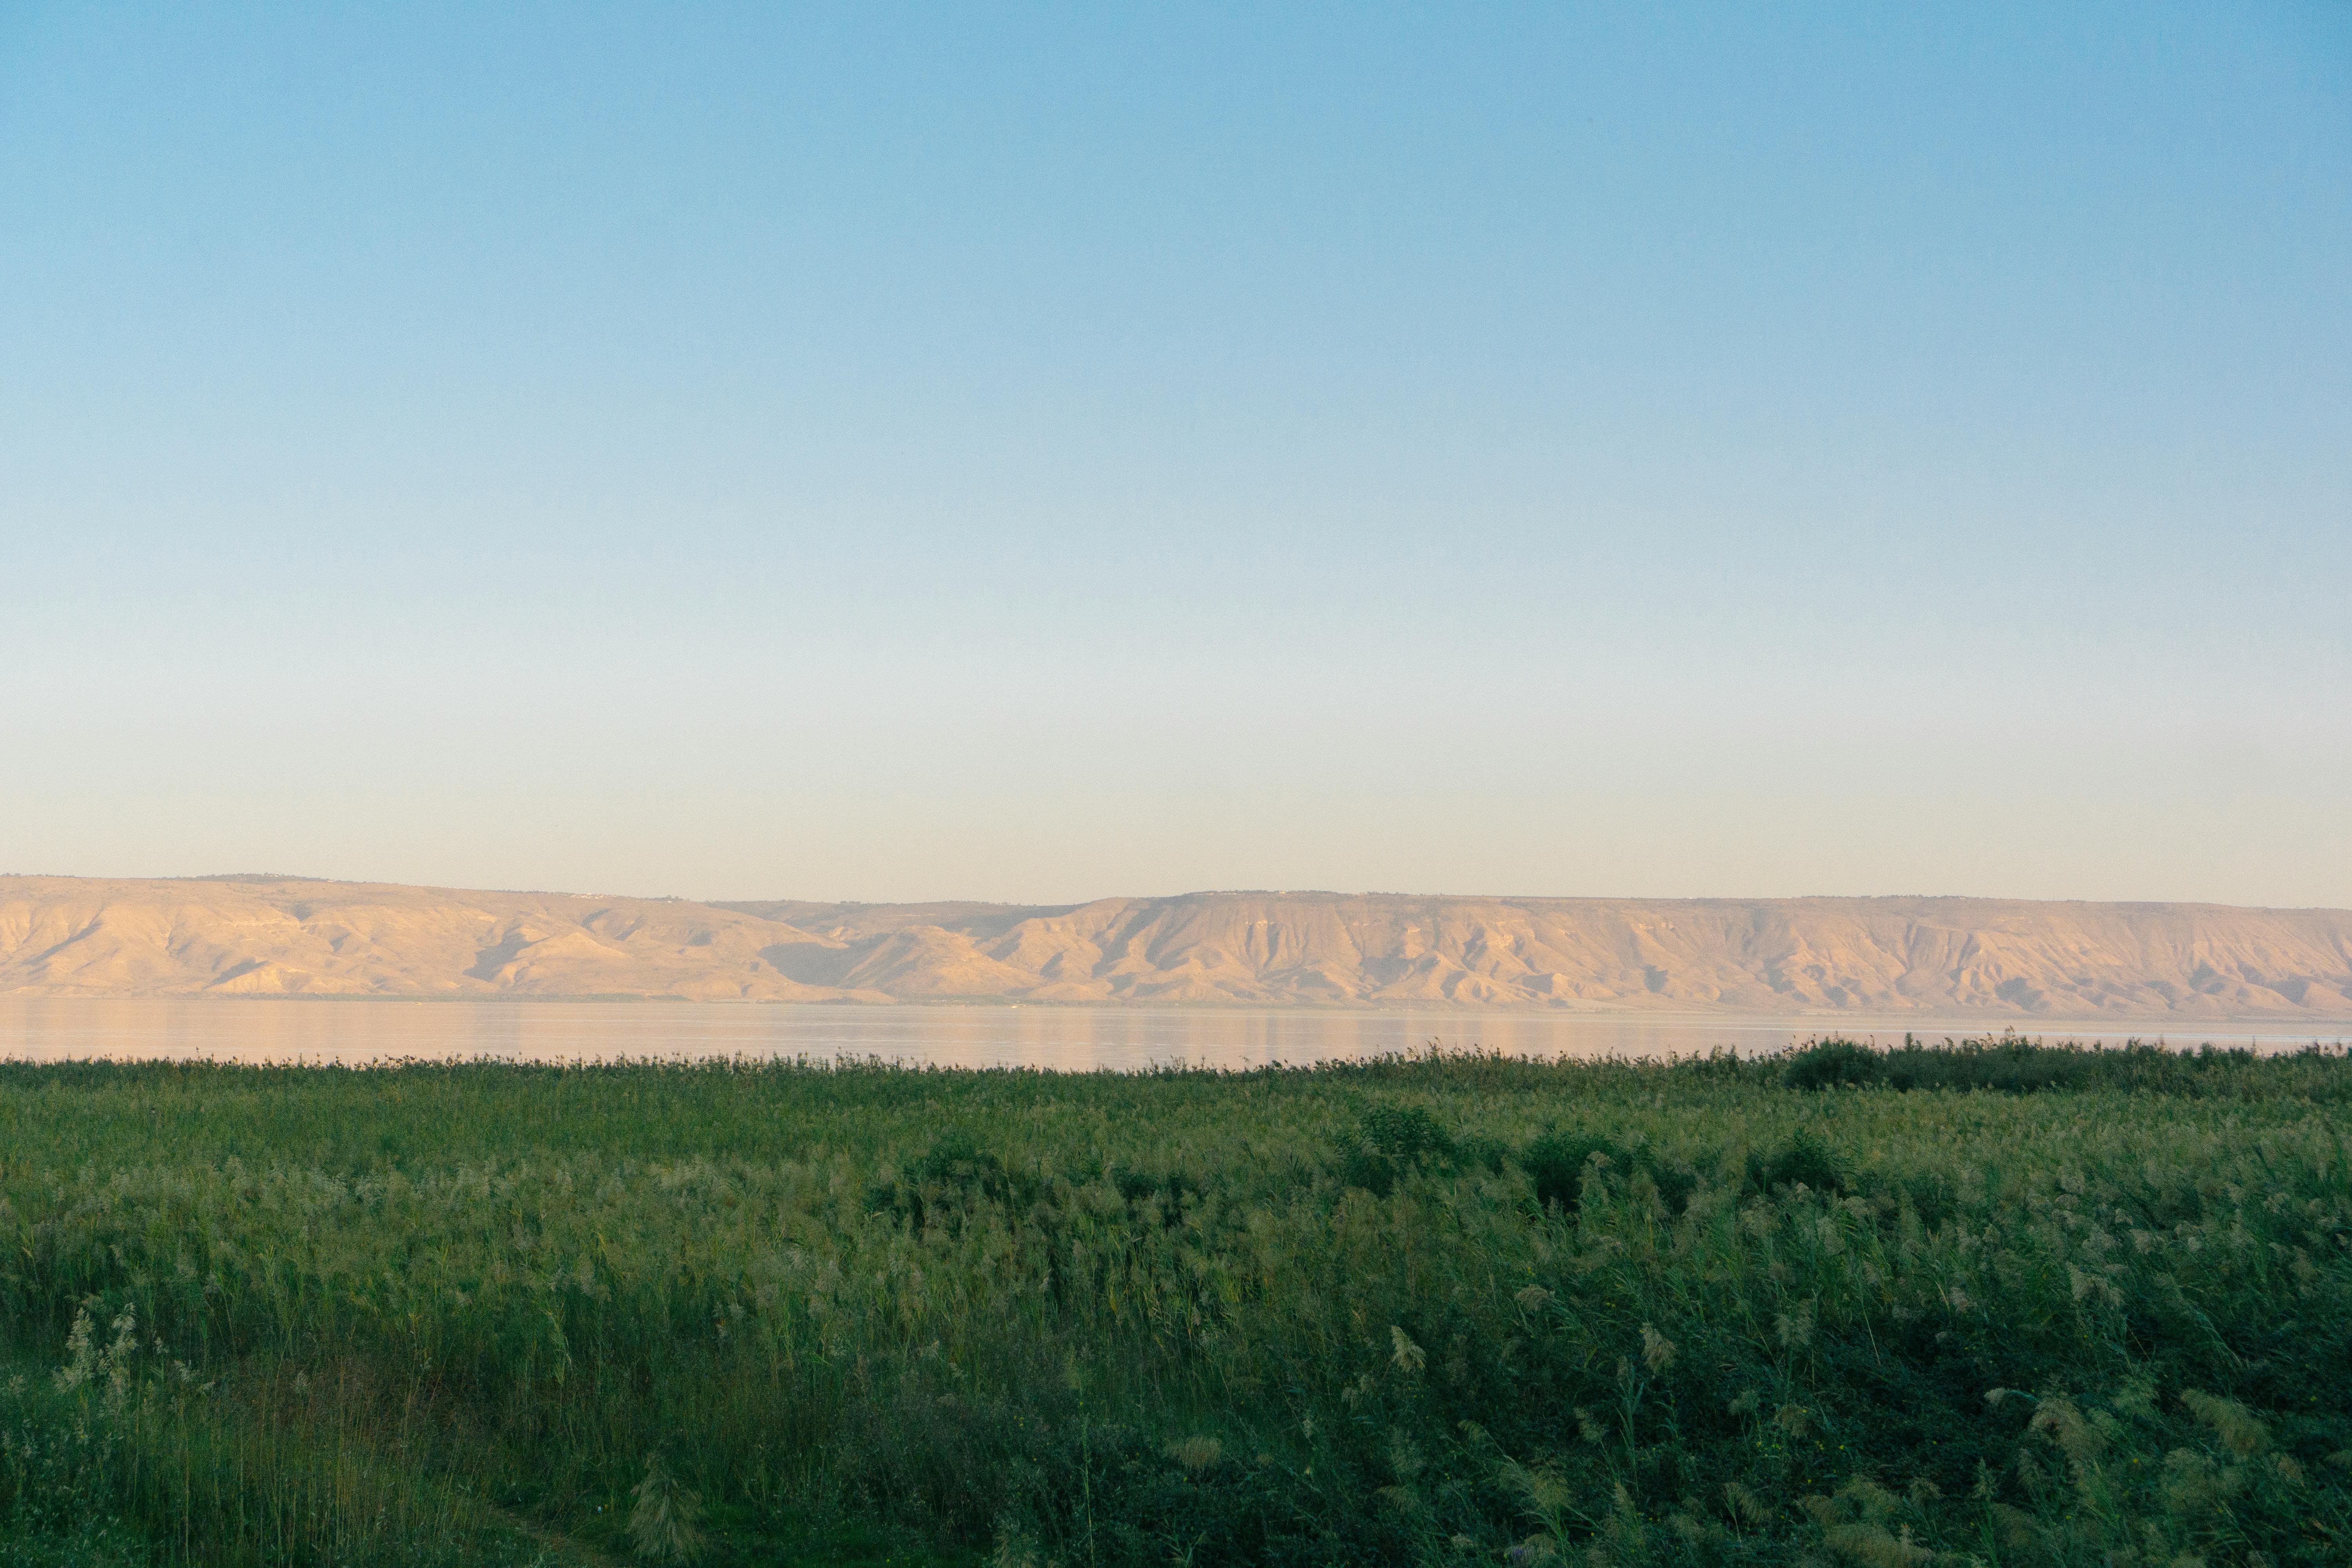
1996, 1304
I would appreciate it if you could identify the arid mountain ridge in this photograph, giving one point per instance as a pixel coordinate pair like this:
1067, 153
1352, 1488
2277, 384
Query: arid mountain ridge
287, 936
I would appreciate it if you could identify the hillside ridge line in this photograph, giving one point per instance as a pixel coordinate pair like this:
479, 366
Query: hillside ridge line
292, 936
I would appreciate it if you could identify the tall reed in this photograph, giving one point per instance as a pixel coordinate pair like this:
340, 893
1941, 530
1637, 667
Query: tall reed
2096, 1307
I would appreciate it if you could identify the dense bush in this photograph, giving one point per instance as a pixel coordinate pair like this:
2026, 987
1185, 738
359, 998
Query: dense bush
1901, 1307
2009, 1065
1827, 1064
1392, 1140
1802, 1162
1559, 1165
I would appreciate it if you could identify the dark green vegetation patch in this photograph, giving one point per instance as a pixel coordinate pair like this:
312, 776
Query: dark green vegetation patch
1993, 1303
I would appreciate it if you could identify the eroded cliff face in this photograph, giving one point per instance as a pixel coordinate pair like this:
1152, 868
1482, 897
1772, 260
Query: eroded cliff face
71, 936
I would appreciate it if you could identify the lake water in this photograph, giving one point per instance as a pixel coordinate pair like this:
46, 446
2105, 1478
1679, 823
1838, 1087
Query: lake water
1068, 1039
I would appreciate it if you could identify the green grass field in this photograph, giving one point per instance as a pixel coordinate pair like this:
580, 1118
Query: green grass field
1996, 1304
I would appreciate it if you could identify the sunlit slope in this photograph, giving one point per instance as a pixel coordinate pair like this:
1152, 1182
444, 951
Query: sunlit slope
1992, 957
1763, 956
276, 936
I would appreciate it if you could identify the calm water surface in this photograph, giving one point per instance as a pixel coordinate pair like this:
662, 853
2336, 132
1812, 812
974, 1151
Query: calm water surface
1071, 1038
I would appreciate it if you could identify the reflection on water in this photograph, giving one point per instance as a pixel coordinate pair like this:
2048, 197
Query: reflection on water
1069, 1038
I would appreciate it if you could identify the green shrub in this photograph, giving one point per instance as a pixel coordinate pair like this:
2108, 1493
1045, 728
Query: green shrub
1829, 1064
1559, 1164
1803, 1160
1556, 1161
2009, 1065
1390, 1140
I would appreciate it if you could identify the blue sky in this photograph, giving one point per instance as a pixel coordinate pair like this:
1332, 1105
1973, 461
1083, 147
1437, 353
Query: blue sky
1037, 453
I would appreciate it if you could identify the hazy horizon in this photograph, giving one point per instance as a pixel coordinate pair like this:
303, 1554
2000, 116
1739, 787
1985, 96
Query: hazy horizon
788, 896
1018, 453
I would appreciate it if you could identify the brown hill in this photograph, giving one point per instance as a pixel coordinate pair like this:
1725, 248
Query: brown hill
286, 935
281, 935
